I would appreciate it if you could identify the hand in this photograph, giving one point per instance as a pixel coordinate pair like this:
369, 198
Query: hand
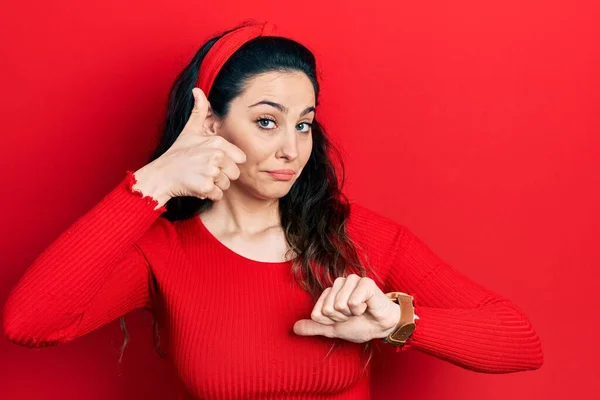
199, 163
353, 309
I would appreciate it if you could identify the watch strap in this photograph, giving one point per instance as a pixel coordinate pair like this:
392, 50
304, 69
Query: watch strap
406, 324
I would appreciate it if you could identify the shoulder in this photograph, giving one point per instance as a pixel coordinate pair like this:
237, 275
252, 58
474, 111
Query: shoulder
364, 220
162, 229
162, 237
374, 234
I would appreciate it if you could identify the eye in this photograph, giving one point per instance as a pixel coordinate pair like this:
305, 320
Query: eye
263, 123
306, 125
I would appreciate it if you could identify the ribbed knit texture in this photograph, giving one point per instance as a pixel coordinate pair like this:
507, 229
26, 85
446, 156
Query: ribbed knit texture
226, 321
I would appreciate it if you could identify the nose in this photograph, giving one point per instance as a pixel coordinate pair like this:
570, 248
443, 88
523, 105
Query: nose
289, 145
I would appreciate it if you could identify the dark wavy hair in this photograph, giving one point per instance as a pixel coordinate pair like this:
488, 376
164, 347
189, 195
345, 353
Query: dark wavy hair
314, 212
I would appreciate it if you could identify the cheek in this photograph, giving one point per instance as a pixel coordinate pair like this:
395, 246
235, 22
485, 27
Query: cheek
255, 157
306, 150
255, 162
257, 151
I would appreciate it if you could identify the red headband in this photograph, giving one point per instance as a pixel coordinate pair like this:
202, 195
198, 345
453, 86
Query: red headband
224, 48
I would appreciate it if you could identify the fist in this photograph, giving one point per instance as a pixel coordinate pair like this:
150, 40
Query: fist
354, 309
200, 163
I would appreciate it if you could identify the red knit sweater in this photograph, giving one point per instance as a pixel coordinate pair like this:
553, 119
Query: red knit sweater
228, 319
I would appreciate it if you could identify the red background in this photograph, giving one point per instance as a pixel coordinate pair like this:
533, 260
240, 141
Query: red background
474, 124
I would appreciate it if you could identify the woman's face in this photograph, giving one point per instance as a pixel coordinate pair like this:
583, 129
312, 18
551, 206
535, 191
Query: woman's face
271, 122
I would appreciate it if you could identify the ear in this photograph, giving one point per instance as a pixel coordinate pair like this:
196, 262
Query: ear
212, 123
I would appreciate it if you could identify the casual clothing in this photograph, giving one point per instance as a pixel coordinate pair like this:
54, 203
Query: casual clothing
228, 319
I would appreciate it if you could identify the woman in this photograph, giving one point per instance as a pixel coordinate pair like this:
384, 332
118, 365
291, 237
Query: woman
263, 280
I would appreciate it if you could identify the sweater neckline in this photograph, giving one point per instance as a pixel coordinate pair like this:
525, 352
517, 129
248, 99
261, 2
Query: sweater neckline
229, 251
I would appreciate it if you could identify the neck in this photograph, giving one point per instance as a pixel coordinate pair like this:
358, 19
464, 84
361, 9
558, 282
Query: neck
239, 212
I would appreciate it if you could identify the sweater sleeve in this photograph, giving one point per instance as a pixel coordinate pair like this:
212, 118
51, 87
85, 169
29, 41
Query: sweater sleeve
459, 320
90, 275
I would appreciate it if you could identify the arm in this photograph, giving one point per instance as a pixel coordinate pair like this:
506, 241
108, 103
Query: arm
459, 320
90, 275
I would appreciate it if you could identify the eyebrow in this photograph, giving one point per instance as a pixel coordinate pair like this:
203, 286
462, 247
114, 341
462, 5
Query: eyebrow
282, 108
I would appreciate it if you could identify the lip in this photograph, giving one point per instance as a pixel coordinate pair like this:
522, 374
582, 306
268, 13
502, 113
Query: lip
281, 174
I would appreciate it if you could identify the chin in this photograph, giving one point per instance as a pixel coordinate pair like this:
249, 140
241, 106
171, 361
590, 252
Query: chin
268, 190
273, 192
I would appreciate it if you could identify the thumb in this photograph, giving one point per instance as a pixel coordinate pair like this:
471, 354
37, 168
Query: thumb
308, 327
195, 123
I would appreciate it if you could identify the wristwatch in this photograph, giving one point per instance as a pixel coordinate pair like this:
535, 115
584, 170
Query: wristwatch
406, 325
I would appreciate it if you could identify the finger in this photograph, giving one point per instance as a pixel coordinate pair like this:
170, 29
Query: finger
316, 314
328, 305
195, 122
366, 291
222, 181
307, 327
215, 194
341, 303
229, 168
231, 150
